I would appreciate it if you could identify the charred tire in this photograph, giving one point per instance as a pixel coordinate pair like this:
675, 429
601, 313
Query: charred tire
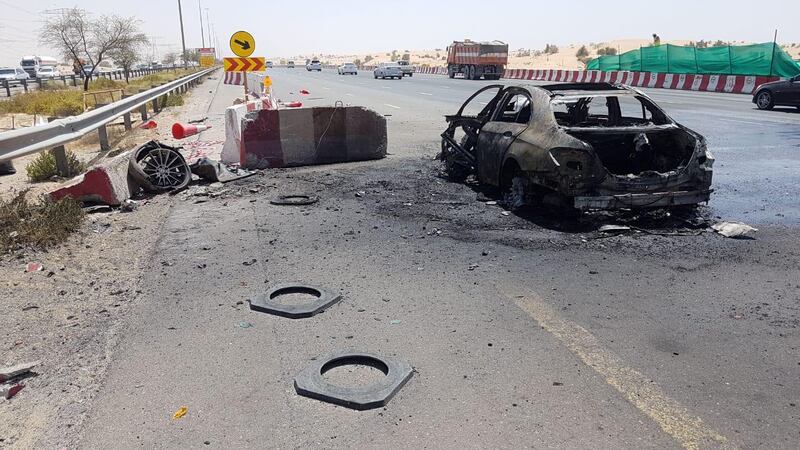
764, 100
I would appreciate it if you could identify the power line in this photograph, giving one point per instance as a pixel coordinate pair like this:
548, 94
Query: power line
19, 8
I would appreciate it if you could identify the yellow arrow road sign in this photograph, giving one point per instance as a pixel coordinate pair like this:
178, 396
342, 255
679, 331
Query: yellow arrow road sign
243, 44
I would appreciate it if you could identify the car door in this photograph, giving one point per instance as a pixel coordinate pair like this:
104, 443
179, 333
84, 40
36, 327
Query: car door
509, 119
793, 91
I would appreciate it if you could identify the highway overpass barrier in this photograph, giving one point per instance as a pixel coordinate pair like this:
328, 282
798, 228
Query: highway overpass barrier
737, 84
307, 136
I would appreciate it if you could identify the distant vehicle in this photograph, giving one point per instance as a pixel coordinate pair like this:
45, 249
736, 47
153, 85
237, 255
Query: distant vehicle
477, 59
48, 72
290, 65
141, 67
347, 68
269, 64
314, 64
407, 67
32, 64
388, 70
778, 93
13, 74
87, 69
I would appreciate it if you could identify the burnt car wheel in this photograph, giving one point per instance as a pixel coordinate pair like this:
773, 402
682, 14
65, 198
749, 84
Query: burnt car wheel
764, 100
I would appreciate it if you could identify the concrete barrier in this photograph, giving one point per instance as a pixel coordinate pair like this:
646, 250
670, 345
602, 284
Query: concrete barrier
231, 149
307, 136
106, 183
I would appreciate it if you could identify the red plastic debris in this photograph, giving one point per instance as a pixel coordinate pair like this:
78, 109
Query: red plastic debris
293, 104
34, 267
11, 390
304, 92
149, 125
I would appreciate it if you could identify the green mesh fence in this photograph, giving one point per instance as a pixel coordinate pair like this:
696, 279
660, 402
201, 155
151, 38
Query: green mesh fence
757, 59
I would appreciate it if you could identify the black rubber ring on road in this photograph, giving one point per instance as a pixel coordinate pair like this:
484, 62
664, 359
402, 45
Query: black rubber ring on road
310, 382
295, 199
267, 303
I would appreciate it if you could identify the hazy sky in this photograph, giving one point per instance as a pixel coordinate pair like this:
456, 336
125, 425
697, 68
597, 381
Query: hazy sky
289, 28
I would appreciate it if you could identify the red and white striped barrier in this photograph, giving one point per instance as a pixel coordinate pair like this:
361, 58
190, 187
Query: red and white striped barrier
737, 84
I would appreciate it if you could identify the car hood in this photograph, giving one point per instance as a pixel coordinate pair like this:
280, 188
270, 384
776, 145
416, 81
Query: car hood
771, 83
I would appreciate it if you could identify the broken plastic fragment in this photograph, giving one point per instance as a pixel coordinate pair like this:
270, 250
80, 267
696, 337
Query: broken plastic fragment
732, 229
180, 412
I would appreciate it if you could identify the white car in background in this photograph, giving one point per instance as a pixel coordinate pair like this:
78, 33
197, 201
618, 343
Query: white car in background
407, 67
347, 68
388, 70
314, 64
13, 74
47, 72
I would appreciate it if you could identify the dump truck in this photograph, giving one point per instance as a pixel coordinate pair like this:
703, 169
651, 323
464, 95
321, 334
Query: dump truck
477, 59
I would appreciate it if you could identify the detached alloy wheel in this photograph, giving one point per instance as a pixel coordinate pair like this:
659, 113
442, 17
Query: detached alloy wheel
164, 167
764, 100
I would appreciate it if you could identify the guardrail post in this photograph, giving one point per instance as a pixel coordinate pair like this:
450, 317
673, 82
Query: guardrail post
143, 112
25, 84
155, 100
60, 154
127, 116
102, 133
74, 81
7, 87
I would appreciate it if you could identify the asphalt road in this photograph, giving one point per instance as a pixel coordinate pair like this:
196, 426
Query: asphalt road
523, 330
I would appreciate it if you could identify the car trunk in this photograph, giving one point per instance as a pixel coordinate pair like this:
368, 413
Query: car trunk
626, 151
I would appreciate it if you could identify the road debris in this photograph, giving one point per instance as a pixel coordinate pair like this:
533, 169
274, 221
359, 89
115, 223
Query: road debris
9, 373
216, 171
310, 382
733, 229
182, 131
614, 228
149, 125
295, 199
34, 267
180, 412
8, 391
270, 304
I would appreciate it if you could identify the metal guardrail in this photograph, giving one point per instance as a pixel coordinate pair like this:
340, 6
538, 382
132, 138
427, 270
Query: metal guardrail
25, 141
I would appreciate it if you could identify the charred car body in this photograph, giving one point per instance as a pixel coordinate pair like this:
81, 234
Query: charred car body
585, 146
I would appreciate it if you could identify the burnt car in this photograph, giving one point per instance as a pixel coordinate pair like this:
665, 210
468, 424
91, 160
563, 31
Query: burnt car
778, 93
584, 146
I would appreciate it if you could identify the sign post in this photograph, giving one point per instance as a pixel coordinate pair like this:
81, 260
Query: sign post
243, 45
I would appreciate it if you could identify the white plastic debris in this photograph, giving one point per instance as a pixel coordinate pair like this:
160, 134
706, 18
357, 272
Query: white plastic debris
733, 229
614, 228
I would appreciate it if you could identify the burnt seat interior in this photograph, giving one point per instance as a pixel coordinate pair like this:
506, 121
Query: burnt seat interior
637, 152
639, 146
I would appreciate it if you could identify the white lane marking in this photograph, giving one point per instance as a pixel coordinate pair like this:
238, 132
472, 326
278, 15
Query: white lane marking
424, 93
392, 106
326, 88
677, 421
351, 95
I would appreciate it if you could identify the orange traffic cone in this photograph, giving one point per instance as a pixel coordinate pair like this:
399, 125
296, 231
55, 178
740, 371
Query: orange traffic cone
181, 131
149, 125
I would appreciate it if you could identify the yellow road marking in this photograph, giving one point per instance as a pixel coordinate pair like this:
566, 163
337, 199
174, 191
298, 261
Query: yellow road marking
688, 429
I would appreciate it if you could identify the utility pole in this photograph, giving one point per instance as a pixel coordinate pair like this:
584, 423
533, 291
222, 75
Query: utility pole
202, 33
183, 38
208, 27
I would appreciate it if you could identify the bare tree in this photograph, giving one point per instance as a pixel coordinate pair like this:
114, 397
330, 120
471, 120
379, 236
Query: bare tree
130, 50
169, 59
85, 40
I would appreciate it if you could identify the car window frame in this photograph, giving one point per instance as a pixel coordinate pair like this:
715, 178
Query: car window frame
511, 92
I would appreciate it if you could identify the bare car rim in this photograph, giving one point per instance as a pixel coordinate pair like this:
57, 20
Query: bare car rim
165, 168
